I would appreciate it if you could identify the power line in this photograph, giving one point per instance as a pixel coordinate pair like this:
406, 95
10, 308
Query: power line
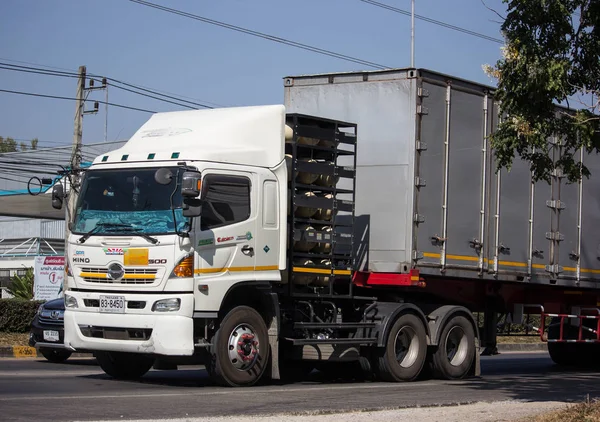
93, 77
32, 94
433, 21
263, 35
67, 73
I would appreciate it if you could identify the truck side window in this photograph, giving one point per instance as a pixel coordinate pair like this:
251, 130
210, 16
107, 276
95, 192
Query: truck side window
226, 200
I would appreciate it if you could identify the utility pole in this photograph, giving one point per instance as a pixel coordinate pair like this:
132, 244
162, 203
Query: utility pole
73, 177
412, 34
74, 173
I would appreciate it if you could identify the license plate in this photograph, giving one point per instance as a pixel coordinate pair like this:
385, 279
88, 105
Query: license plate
112, 304
50, 335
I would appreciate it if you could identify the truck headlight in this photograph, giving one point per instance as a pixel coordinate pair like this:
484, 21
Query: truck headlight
184, 268
166, 305
70, 301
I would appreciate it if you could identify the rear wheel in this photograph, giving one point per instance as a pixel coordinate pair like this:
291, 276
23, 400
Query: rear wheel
241, 349
405, 350
455, 353
55, 355
122, 365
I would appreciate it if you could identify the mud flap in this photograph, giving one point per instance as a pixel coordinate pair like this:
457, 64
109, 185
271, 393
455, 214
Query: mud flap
475, 370
273, 332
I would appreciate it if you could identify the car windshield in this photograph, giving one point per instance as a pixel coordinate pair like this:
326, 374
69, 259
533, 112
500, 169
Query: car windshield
112, 199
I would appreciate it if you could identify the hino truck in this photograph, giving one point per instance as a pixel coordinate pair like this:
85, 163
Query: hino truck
362, 222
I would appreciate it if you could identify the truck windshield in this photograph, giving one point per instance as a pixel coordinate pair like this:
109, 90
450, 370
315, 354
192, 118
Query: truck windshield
130, 197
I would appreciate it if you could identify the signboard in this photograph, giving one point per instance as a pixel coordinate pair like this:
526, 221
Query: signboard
49, 273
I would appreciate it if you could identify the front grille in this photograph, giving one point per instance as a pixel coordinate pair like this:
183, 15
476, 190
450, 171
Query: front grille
114, 333
51, 317
132, 275
50, 321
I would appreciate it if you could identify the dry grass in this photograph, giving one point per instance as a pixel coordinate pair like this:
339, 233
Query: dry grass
14, 339
582, 412
519, 339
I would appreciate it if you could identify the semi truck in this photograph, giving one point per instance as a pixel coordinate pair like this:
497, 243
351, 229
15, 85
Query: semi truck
362, 222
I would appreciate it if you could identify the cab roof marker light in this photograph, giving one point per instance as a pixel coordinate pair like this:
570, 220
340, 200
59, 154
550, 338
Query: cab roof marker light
151, 156
105, 158
125, 157
175, 155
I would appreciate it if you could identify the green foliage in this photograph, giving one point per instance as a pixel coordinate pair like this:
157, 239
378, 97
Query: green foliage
552, 56
16, 314
10, 145
22, 286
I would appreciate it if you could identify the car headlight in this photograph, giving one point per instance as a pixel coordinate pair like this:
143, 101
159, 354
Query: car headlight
39, 309
166, 305
70, 301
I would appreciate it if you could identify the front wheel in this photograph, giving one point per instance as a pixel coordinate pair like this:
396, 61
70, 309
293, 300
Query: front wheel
241, 349
405, 350
123, 365
55, 355
455, 353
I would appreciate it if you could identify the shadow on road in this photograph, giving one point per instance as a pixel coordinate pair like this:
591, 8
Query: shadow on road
537, 380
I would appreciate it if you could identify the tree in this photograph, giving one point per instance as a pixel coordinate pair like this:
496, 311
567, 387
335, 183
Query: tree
7, 144
10, 145
22, 286
551, 57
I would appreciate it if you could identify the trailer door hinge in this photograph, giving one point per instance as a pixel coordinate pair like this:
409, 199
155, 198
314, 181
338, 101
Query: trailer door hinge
556, 204
555, 269
416, 255
558, 173
555, 236
422, 110
419, 218
421, 146
420, 182
422, 92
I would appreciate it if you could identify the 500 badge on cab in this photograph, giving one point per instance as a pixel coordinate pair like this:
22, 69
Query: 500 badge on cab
157, 261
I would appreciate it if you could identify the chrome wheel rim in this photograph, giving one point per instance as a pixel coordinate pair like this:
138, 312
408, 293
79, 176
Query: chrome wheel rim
406, 347
243, 347
457, 346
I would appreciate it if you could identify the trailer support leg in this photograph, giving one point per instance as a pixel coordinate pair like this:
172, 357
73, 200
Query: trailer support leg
490, 322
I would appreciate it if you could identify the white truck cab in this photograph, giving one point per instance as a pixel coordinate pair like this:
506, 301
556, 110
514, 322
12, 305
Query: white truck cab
139, 267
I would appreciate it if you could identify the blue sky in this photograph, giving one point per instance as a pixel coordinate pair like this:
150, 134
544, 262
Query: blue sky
147, 47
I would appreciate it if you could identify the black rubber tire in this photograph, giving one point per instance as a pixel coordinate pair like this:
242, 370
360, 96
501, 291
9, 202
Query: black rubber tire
220, 368
388, 367
561, 353
121, 365
441, 360
55, 355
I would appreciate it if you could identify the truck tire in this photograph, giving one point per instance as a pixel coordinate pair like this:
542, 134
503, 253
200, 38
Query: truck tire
55, 355
121, 365
456, 350
405, 350
240, 350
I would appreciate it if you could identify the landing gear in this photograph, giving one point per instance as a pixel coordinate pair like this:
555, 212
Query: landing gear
241, 349
456, 350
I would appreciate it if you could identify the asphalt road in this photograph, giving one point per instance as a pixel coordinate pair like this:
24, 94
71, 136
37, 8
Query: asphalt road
33, 389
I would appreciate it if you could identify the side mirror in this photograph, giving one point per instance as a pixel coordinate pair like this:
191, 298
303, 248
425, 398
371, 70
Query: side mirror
192, 207
58, 195
191, 184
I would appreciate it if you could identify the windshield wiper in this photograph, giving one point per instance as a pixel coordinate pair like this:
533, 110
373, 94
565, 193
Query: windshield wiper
133, 230
99, 226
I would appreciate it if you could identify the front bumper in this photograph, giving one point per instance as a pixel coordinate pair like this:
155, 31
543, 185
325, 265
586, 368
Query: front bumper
36, 335
161, 333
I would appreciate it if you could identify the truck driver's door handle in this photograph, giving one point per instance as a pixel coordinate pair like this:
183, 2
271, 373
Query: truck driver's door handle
248, 251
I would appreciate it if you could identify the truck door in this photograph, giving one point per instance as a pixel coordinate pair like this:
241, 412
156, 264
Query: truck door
225, 238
